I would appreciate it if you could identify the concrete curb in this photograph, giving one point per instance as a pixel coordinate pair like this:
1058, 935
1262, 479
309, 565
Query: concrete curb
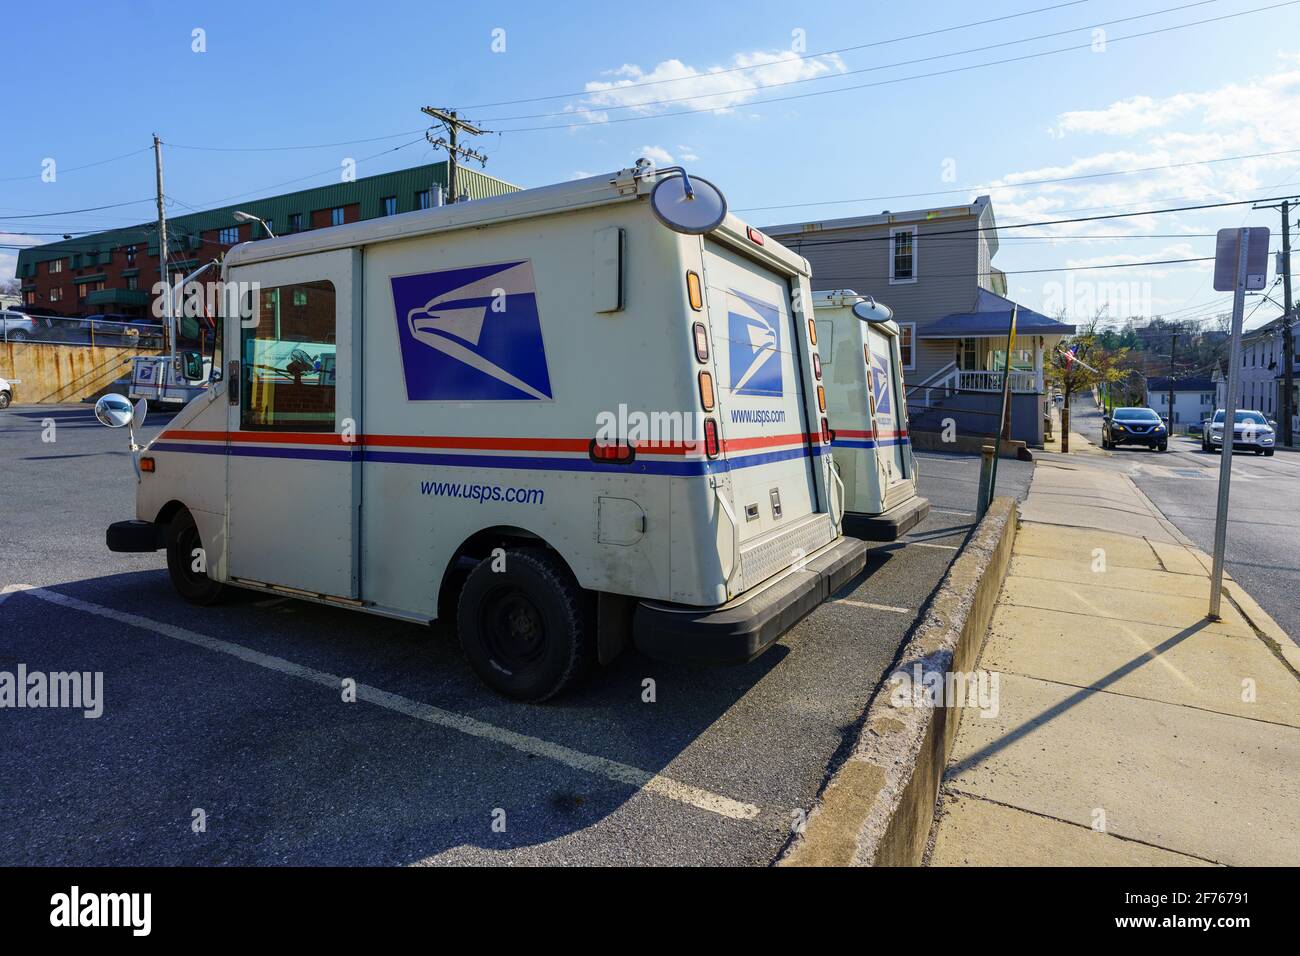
969, 444
878, 807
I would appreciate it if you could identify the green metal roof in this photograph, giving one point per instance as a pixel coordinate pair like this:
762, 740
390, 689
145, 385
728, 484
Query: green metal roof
184, 232
118, 297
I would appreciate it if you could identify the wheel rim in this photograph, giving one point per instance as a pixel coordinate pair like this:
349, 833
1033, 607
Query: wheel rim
513, 628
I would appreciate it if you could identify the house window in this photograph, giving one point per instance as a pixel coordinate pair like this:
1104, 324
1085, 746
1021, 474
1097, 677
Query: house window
422, 199
228, 236
56, 295
906, 333
902, 255
295, 222
390, 205
55, 266
132, 282
969, 355
336, 216
30, 298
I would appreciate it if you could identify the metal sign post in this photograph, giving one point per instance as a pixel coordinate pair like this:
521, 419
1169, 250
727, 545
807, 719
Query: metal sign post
1241, 263
1004, 418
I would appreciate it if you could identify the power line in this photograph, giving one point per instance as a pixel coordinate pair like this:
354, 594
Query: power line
73, 169
1033, 182
69, 212
271, 149
806, 56
917, 76
857, 72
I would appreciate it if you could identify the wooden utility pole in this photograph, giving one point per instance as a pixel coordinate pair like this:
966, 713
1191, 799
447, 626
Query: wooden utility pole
1288, 332
1173, 350
169, 334
453, 124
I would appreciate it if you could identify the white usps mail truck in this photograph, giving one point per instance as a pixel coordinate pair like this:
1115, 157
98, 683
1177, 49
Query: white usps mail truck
861, 357
569, 417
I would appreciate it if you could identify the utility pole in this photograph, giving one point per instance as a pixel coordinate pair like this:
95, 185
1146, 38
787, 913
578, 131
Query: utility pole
1173, 350
170, 333
1288, 333
453, 124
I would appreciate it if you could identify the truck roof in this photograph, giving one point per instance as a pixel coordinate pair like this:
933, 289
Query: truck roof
625, 185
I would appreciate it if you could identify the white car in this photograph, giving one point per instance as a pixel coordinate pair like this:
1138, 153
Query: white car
6, 393
1251, 431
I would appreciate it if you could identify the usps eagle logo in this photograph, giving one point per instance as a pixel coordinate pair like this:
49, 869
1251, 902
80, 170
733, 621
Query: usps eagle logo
471, 334
880, 383
754, 340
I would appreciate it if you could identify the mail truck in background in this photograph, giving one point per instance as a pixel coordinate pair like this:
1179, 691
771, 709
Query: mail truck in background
571, 417
862, 364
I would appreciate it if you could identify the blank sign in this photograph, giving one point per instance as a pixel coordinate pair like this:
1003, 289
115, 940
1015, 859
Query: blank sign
1227, 250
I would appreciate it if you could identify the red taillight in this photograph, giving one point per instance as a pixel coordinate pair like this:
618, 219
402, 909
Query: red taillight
147, 464
754, 235
711, 447
826, 431
617, 454
701, 342
817, 365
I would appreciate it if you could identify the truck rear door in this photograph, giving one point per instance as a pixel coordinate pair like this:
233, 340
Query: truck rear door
760, 393
886, 392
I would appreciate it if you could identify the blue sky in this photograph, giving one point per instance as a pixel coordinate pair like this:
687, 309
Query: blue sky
105, 76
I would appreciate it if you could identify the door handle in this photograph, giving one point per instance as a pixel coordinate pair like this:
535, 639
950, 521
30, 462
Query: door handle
232, 381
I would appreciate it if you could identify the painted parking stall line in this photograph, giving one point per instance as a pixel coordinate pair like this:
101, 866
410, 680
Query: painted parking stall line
588, 763
876, 607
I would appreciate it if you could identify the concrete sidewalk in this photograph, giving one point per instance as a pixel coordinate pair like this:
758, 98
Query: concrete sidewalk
1129, 730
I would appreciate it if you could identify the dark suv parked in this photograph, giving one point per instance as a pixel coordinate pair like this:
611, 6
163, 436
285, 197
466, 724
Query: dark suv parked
1134, 426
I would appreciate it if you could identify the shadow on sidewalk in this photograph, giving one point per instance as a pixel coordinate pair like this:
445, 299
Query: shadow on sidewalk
1073, 700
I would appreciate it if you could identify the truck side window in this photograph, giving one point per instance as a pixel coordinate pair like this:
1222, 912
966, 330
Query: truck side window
289, 360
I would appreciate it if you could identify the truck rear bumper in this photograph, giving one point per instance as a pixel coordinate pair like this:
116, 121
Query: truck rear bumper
889, 525
132, 536
737, 634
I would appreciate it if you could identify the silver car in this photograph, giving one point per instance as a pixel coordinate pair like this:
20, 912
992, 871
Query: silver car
1251, 431
6, 393
16, 327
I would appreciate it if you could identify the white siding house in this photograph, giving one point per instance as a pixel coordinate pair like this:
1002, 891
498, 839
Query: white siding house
934, 268
1260, 377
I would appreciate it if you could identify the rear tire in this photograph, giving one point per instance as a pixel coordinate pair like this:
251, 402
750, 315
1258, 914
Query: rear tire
526, 629
1268, 453
182, 540
5, 398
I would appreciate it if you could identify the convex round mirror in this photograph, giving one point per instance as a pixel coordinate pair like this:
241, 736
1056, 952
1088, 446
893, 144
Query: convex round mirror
115, 411
692, 210
869, 310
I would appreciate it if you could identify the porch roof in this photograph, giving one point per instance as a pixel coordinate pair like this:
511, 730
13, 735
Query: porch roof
991, 317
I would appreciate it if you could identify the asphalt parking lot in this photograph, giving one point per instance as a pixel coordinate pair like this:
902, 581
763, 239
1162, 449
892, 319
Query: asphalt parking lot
236, 711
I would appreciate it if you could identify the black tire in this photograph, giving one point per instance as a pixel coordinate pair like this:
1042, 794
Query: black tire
1268, 453
1163, 446
5, 399
194, 586
526, 630
1259, 451
18, 335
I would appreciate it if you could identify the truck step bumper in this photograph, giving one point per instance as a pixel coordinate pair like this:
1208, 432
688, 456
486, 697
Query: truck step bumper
736, 635
890, 525
132, 536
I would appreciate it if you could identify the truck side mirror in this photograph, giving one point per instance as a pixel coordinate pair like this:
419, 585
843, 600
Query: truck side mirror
192, 366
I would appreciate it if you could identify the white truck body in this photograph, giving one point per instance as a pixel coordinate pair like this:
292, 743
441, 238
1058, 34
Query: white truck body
862, 365
417, 390
155, 378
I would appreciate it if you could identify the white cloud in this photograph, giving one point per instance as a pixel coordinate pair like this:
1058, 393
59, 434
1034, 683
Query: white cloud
656, 154
687, 154
718, 88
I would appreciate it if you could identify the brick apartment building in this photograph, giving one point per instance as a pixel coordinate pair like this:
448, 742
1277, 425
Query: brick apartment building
113, 273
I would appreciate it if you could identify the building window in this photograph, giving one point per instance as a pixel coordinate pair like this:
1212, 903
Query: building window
55, 266
30, 298
133, 282
228, 236
422, 199
56, 295
902, 254
390, 205
906, 334
336, 216
295, 222
130, 255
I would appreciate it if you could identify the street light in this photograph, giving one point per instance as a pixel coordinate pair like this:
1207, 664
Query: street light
249, 217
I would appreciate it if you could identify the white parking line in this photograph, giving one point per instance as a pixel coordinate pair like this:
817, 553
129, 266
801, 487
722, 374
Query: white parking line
945, 511
598, 766
876, 607
927, 544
